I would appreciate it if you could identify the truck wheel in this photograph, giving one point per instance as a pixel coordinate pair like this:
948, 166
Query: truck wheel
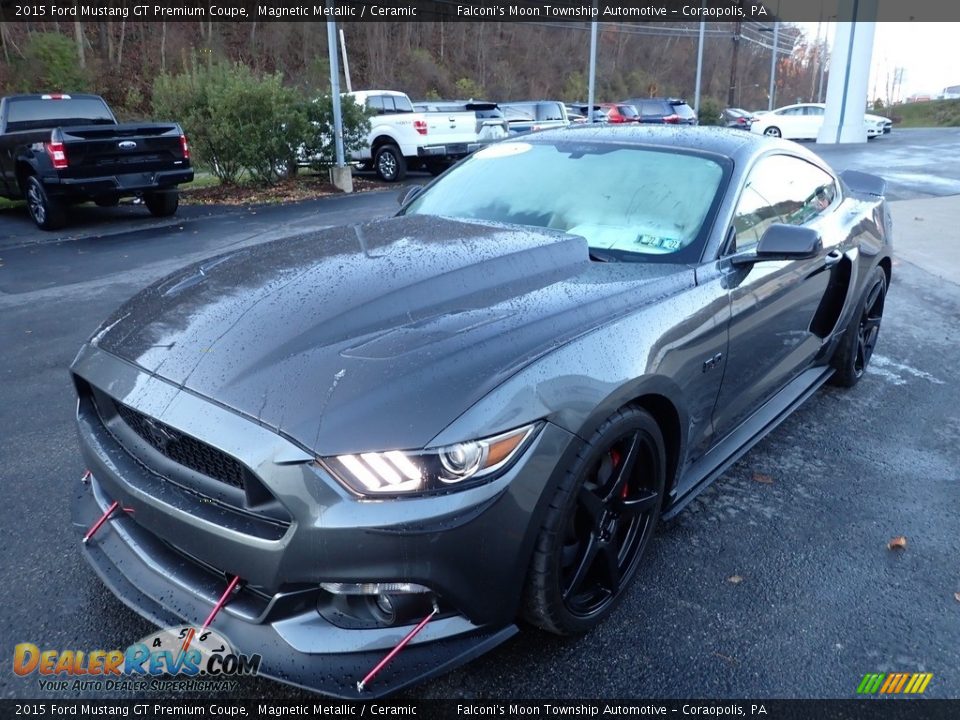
163, 203
390, 164
46, 212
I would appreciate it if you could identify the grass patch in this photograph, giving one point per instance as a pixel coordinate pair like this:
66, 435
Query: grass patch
11, 204
935, 113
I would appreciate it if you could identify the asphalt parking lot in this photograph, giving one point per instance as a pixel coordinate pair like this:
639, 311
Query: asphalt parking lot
776, 582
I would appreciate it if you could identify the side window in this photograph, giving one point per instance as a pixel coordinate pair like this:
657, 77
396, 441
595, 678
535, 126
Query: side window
753, 216
781, 188
375, 103
651, 108
814, 110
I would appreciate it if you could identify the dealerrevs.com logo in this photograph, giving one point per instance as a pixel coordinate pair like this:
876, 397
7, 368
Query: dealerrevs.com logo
196, 659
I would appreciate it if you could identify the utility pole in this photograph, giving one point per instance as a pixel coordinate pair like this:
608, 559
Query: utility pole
593, 68
731, 93
340, 174
696, 92
773, 65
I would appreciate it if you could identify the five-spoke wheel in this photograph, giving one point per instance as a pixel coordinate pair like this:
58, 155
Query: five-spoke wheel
598, 525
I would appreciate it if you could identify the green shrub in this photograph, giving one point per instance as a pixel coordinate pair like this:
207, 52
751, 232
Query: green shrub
710, 112
236, 121
319, 140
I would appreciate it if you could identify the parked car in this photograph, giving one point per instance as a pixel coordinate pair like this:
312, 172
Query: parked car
532, 116
877, 125
401, 138
804, 120
736, 118
58, 149
476, 411
620, 113
577, 113
672, 111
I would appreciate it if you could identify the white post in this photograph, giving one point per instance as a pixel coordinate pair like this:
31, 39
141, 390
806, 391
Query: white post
849, 74
346, 63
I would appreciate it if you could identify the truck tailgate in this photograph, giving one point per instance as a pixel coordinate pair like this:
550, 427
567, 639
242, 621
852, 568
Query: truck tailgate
107, 150
451, 128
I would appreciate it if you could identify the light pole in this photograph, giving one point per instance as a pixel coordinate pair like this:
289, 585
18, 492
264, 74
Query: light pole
593, 67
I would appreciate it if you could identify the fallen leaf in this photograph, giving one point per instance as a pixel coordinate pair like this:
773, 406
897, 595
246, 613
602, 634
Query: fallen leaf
729, 659
897, 543
735, 579
761, 478
956, 596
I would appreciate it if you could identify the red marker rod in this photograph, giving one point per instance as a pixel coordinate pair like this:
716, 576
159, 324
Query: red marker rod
400, 646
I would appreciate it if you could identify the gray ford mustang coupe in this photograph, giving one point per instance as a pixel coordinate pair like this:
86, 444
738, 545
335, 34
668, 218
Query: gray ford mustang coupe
432, 426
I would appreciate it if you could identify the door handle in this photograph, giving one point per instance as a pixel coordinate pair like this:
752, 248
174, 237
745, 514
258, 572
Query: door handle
832, 258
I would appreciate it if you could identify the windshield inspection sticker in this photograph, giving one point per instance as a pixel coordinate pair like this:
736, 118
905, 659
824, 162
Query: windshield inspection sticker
658, 242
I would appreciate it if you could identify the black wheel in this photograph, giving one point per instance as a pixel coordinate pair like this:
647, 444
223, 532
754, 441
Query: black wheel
772, 131
860, 337
389, 163
598, 525
107, 200
162, 203
46, 212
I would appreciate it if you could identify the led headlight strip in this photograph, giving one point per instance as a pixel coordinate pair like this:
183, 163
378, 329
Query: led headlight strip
397, 472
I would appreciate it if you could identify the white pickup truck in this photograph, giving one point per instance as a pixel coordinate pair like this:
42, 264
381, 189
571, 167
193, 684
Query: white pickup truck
402, 139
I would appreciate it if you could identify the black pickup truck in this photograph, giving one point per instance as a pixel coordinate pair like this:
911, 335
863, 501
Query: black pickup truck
58, 149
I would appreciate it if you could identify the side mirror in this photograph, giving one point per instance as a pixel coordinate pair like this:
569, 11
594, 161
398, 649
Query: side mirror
408, 194
783, 242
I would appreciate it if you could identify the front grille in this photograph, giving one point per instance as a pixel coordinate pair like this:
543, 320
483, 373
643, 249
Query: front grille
184, 449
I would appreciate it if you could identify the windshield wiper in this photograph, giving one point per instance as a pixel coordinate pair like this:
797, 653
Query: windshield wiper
601, 257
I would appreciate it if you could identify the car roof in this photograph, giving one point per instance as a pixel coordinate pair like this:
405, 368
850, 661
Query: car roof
727, 142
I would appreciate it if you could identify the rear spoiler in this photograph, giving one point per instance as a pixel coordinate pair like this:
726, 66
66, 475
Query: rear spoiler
864, 183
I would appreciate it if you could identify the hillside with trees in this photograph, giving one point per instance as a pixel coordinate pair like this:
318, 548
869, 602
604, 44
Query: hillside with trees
495, 60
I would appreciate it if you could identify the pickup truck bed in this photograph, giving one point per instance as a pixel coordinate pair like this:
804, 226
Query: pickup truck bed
59, 149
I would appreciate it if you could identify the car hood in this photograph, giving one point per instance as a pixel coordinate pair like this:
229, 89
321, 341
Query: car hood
375, 336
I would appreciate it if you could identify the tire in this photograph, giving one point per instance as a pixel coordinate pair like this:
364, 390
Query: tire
852, 356
389, 163
163, 203
47, 212
773, 131
107, 201
597, 526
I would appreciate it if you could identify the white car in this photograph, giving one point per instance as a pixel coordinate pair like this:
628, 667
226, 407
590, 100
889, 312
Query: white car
803, 121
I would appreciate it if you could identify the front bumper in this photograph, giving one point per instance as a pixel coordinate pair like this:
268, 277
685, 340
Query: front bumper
123, 184
170, 558
147, 577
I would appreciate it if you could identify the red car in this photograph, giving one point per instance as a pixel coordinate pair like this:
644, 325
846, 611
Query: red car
620, 113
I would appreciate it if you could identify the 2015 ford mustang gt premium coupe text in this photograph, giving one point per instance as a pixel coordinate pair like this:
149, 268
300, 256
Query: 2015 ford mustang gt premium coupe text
476, 411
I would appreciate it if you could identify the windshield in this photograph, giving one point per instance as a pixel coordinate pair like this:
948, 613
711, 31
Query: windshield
629, 202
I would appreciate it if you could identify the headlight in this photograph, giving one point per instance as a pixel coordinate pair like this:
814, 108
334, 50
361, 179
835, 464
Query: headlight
435, 469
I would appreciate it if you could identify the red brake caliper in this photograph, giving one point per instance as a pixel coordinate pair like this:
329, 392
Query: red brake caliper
615, 457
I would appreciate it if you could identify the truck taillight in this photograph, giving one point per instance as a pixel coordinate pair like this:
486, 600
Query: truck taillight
420, 126
672, 119
185, 147
58, 154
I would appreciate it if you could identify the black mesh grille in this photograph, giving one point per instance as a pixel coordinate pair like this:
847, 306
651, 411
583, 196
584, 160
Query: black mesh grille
183, 449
